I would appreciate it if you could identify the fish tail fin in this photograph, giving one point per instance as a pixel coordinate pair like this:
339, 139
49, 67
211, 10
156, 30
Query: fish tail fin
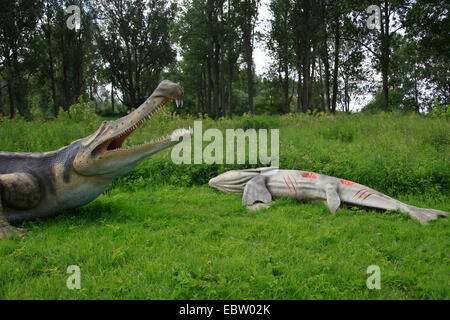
424, 215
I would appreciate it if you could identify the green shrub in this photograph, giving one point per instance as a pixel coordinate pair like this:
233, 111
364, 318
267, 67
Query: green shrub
82, 111
391, 152
256, 122
439, 111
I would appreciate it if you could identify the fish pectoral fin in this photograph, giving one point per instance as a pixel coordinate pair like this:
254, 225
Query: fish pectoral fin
333, 200
256, 191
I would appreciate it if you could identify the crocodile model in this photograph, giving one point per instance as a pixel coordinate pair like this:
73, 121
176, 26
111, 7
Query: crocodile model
34, 185
260, 186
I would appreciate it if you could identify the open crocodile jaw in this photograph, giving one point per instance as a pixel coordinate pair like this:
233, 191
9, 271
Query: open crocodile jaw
116, 142
103, 154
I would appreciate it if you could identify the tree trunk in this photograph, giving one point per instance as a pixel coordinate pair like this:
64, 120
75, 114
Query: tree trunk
213, 57
306, 81
337, 38
216, 93
311, 77
78, 69
346, 96
299, 91
326, 66
199, 91
66, 86
17, 86
285, 84
222, 84
112, 99
204, 89
385, 57
1, 99
325, 58
249, 53
230, 62
208, 88
416, 91
222, 63
52, 71
322, 90
12, 109
20, 102
230, 91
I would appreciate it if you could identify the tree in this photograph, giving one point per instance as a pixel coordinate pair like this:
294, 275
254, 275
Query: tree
378, 41
135, 43
18, 21
306, 27
209, 34
427, 26
192, 34
64, 56
351, 72
280, 44
323, 52
233, 36
249, 14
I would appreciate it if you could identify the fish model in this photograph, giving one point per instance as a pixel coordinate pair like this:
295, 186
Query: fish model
260, 186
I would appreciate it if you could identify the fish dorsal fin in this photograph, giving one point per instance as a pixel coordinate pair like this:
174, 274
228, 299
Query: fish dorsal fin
333, 200
256, 191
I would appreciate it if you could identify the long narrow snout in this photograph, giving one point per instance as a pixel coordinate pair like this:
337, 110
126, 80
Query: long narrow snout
103, 152
233, 181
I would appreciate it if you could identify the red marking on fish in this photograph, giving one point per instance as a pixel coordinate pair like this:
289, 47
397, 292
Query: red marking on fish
358, 192
293, 185
362, 193
310, 175
287, 184
367, 196
347, 183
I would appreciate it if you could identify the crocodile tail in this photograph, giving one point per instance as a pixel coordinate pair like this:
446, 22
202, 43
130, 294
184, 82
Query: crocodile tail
424, 215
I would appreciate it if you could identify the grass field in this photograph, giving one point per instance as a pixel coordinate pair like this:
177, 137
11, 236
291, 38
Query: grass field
161, 233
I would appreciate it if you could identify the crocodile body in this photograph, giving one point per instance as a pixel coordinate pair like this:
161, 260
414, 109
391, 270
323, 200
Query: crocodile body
37, 185
34, 185
260, 186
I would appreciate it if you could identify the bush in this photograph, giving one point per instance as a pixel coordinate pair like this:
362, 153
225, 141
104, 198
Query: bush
390, 152
439, 111
81, 111
255, 122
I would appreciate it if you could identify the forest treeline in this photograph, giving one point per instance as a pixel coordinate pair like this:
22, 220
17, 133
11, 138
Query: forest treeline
325, 55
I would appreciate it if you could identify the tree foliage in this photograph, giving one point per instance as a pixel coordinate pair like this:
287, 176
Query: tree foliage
324, 56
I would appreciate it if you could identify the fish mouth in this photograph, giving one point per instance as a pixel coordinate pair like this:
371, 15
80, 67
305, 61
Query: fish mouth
115, 143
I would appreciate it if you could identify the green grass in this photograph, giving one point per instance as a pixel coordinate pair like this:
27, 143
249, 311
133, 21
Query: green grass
161, 233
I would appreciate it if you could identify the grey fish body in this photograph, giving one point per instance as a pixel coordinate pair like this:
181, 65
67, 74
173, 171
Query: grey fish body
260, 186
